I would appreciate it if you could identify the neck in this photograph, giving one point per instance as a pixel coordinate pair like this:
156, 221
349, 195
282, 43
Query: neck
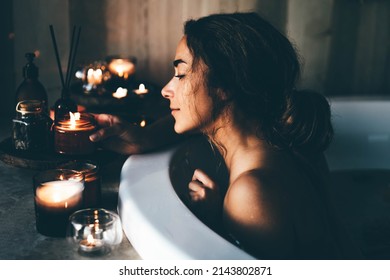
241, 150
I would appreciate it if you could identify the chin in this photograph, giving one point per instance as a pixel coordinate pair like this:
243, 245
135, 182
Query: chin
182, 129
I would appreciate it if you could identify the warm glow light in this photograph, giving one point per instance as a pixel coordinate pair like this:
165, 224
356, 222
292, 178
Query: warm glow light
59, 194
73, 118
142, 123
120, 93
94, 77
90, 240
141, 90
121, 67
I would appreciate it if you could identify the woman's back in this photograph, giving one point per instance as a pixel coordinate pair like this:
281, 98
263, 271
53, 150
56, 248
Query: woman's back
288, 197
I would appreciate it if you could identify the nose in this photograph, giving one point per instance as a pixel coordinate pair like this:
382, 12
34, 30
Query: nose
167, 91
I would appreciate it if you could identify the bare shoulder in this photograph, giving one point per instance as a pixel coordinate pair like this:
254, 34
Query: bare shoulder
255, 197
254, 212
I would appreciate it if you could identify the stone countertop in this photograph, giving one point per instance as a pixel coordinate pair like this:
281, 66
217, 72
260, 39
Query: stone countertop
19, 238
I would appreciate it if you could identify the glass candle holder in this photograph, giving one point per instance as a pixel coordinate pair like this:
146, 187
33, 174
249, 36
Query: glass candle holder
31, 127
71, 134
92, 184
121, 67
57, 194
94, 231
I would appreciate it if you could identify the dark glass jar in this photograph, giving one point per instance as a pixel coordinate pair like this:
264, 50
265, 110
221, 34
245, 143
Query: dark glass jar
92, 181
71, 134
31, 127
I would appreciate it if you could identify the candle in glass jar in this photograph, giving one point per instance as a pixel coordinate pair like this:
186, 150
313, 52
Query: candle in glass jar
71, 135
92, 181
91, 244
55, 201
121, 67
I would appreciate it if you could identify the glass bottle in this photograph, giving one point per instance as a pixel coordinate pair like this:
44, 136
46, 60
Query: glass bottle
31, 88
31, 127
63, 106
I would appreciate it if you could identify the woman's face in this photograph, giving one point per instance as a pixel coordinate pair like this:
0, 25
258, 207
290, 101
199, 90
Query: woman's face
190, 104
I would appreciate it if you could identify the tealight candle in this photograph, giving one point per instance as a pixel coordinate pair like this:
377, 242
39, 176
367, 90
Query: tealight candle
91, 244
94, 76
94, 231
120, 93
141, 90
71, 135
121, 67
58, 193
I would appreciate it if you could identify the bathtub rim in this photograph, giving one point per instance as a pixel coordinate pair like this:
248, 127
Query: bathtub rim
141, 222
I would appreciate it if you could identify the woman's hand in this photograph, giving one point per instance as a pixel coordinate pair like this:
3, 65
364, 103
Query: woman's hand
119, 136
206, 199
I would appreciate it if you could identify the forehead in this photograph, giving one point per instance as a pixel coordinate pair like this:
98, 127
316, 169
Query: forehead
183, 52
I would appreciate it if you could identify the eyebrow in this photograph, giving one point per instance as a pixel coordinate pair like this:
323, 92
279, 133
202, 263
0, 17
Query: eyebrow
178, 61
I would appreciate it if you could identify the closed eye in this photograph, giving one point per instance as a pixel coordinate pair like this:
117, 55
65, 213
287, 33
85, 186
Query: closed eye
179, 76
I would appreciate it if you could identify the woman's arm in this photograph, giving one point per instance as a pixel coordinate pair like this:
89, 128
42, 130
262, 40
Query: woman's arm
122, 137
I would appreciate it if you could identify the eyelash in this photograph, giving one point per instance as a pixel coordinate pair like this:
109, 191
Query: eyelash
179, 76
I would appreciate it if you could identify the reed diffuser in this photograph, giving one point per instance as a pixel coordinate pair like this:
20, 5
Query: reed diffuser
65, 104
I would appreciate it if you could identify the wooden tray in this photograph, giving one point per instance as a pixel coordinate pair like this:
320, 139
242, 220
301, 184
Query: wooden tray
48, 159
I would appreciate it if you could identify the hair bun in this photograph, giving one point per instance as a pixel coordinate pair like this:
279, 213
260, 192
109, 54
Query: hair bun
307, 122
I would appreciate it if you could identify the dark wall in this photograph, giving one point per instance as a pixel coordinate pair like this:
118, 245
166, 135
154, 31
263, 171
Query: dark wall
6, 58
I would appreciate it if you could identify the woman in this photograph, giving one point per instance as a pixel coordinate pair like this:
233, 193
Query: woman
234, 82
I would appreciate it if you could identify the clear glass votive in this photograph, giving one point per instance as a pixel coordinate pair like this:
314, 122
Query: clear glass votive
57, 194
94, 231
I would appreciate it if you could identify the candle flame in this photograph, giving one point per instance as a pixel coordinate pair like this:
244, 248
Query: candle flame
142, 123
73, 118
141, 87
94, 77
120, 93
90, 240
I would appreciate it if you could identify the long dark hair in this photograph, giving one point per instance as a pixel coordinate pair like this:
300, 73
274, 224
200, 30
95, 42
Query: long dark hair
257, 68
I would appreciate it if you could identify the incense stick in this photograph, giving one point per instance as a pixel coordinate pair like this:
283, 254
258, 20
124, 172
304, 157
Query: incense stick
69, 58
53, 37
73, 56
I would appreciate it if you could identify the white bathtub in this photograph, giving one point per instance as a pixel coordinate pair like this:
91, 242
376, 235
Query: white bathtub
160, 226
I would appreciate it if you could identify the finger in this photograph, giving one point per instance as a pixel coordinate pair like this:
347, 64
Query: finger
106, 119
196, 186
197, 193
204, 179
104, 133
196, 197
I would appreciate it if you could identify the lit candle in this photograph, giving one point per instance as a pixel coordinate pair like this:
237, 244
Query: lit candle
141, 90
121, 67
71, 136
92, 184
142, 123
94, 76
55, 201
91, 244
120, 93
59, 195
